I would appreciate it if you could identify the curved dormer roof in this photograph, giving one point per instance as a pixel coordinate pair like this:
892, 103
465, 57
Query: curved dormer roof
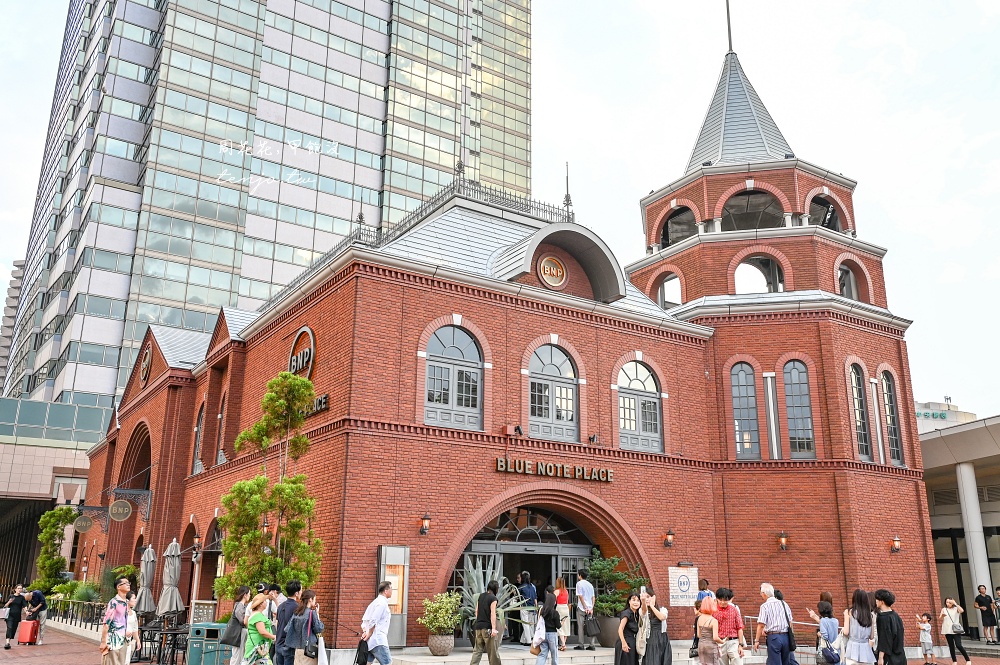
605, 275
737, 128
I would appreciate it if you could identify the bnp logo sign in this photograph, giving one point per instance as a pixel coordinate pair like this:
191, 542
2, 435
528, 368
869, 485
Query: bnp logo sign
302, 355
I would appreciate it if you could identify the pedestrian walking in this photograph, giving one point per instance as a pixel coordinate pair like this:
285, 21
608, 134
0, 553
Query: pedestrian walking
38, 611
824, 597
988, 620
658, 650
132, 636
487, 637
584, 608
114, 645
730, 628
375, 625
926, 640
708, 632
242, 598
283, 655
304, 629
550, 616
260, 632
15, 610
703, 590
773, 620
529, 610
858, 629
829, 629
562, 609
952, 629
889, 648
628, 630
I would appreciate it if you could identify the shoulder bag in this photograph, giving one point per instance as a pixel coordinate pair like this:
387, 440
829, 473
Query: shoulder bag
310, 650
233, 634
827, 652
643, 635
693, 651
956, 625
591, 626
792, 646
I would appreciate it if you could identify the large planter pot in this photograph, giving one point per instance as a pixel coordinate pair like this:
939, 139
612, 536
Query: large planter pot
609, 630
441, 645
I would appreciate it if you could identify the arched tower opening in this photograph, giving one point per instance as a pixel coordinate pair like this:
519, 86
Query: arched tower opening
680, 225
751, 210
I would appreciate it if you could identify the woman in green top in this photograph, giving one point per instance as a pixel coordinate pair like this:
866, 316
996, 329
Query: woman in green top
258, 631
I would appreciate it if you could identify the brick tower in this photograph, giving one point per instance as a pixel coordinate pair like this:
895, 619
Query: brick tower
809, 368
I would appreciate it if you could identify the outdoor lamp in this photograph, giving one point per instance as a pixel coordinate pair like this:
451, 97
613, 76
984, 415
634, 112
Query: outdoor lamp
668, 540
783, 540
425, 524
197, 541
895, 545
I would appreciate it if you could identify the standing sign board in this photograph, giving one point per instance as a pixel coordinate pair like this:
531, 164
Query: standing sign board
683, 586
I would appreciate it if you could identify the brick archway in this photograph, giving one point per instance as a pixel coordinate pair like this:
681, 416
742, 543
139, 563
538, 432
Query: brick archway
861, 275
768, 251
596, 517
676, 204
758, 185
837, 204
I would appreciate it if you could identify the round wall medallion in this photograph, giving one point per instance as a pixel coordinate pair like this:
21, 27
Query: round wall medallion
144, 366
301, 358
120, 510
83, 524
552, 272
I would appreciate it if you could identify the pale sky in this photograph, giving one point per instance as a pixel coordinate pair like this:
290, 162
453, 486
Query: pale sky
903, 97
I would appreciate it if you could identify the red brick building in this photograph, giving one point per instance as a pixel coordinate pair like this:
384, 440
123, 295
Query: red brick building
490, 365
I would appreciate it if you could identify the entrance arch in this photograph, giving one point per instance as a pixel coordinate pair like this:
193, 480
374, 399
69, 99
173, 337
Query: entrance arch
604, 527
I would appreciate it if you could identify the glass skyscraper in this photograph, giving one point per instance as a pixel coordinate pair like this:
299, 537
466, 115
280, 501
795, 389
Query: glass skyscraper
202, 153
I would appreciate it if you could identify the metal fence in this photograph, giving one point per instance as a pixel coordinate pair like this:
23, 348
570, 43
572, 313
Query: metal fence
77, 613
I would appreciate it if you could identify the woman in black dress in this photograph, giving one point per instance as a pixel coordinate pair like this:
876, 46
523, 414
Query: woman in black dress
628, 629
658, 643
15, 607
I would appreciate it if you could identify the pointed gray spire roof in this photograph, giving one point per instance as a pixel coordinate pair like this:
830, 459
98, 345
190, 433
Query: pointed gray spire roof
737, 128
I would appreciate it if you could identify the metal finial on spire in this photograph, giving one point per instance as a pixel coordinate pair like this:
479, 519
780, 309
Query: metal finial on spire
729, 27
459, 169
567, 201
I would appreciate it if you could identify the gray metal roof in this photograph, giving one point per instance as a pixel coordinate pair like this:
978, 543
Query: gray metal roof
237, 320
737, 128
182, 349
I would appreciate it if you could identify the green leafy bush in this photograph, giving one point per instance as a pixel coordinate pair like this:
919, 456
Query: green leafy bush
442, 613
88, 592
611, 584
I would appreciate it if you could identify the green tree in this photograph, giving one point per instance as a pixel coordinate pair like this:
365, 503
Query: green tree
613, 580
290, 551
50, 563
283, 412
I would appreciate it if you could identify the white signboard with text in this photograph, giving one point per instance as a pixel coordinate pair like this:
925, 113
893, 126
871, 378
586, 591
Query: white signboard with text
683, 586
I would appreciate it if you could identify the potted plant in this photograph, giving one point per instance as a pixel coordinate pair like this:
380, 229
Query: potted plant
477, 575
612, 582
442, 615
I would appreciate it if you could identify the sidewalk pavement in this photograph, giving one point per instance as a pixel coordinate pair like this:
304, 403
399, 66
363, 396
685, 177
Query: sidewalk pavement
59, 648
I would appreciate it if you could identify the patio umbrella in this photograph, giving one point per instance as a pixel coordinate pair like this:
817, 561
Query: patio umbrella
144, 603
170, 597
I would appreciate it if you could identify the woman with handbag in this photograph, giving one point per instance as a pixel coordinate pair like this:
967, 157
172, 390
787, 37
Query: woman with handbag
15, 609
952, 629
242, 597
259, 635
549, 617
562, 609
829, 628
303, 629
657, 643
628, 630
858, 629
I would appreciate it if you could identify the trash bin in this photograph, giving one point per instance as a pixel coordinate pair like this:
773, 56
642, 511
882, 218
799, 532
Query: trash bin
204, 647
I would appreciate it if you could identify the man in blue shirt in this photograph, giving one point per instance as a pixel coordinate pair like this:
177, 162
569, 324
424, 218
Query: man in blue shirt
37, 610
282, 654
528, 611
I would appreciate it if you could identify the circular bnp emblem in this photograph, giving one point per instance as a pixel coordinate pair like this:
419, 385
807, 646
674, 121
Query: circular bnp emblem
552, 272
120, 510
683, 583
83, 524
144, 366
303, 352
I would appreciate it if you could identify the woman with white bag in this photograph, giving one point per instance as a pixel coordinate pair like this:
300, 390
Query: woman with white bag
546, 637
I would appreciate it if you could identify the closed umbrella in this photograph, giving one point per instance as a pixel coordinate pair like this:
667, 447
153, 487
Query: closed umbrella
144, 603
170, 597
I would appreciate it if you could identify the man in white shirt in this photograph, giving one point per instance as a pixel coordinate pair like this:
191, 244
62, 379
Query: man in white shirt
584, 608
375, 625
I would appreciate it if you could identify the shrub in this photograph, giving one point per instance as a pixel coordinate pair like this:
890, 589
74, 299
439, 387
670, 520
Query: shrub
442, 613
88, 592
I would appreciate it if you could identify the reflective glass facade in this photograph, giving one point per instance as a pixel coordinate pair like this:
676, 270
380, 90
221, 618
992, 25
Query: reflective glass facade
201, 153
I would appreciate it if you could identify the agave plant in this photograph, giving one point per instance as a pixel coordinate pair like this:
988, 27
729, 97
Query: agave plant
480, 571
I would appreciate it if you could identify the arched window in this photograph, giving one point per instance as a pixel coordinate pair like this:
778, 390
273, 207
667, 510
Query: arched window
220, 454
860, 403
823, 213
892, 419
669, 293
799, 410
552, 412
848, 283
454, 380
749, 211
759, 274
680, 225
639, 422
745, 412
197, 466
